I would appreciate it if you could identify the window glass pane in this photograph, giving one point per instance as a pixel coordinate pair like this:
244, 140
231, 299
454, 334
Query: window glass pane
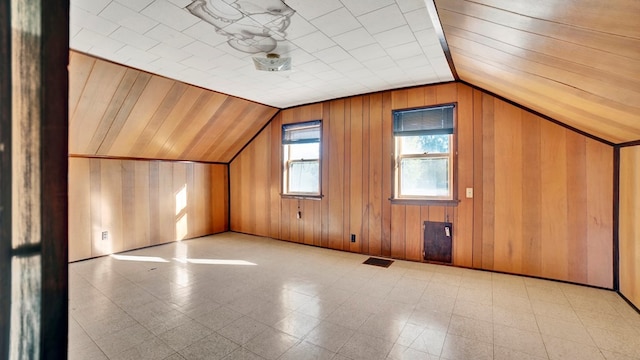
304, 151
303, 177
425, 144
425, 177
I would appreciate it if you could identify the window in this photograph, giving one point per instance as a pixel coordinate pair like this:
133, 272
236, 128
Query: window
424, 153
301, 158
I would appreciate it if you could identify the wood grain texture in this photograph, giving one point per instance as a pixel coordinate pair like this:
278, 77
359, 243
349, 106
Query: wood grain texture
630, 223
541, 213
141, 203
528, 215
574, 61
122, 112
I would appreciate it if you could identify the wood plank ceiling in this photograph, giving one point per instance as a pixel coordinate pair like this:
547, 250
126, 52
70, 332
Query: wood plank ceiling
577, 61
116, 111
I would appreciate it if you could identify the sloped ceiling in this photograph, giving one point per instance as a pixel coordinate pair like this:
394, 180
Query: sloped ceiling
337, 47
577, 61
116, 111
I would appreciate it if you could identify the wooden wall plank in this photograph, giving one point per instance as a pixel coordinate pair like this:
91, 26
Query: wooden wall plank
577, 206
413, 233
478, 193
141, 216
630, 223
508, 179
219, 198
398, 228
554, 202
599, 160
96, 96
488, 181
335, 190
464, 177
356, 179
80, 232
128, 205
376, 164
82, 67
531, 198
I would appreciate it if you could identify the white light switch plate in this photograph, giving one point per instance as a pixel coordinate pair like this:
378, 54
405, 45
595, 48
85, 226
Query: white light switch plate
469, 193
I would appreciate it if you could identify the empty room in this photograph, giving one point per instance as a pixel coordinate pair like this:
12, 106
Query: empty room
344, 179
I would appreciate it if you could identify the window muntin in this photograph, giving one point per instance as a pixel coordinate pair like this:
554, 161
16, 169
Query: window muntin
301, 159
424, 153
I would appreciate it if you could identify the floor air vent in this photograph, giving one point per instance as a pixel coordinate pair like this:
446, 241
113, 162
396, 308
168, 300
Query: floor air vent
378, 262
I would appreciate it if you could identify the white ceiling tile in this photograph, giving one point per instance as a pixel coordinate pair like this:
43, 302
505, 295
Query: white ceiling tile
134, 54
419, 19
405, 51
206, 33
132, 38
298, 27
198, 63
332, 54
202, 50
128, 18
380, 63
172, 66
354, 39
427, 38
413, 62
136, 5
394, 37
329, 75
74, 30
312, 9
92, 6
101, 42
82, 18
368, 52
391, 15
336, 22
410, 5
433, 51
169, 53
181, 3
314, 42
169, 36
347, 65
314, 67
359, 7
299, 57
170, 15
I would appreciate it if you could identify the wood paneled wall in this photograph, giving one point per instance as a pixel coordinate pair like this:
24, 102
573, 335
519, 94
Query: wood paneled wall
547, 202
142, 203
543, 194
116, 111
629, 234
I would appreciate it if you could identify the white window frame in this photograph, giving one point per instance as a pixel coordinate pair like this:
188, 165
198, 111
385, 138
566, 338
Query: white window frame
289, 159
450, 156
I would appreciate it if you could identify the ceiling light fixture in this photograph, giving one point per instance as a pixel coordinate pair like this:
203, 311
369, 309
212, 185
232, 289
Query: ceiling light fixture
273, 62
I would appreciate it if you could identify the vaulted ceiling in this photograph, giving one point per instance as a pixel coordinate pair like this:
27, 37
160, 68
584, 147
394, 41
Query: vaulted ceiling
337, 47
576, 61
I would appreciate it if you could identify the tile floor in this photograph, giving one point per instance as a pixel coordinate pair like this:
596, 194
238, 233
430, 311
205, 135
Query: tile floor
234, 296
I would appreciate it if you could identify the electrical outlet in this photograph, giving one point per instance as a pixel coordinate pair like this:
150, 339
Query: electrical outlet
105, 235
353, 238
